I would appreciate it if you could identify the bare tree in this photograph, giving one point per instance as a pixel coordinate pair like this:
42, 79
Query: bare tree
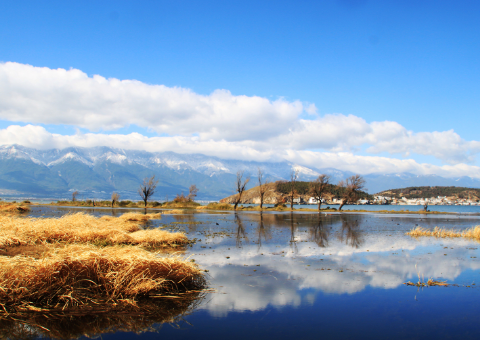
74, 195
262, 187
115, 198
147, 188
241, 185
193, 190
318, 188
293, 180
353, 185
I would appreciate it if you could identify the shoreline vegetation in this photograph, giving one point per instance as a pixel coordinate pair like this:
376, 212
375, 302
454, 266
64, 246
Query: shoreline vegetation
81, 266
84, 228
181, 207
470, 233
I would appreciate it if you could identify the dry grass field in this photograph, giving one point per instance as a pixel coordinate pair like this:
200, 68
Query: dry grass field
78, 275
83, 228
84, 264
13, 208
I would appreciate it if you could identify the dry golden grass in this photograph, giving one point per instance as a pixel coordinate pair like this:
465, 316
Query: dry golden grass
471, 233
83, 275
13, 208
174, 211
83, 228
135, 217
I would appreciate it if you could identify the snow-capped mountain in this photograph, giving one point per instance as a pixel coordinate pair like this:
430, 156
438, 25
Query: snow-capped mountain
98, 171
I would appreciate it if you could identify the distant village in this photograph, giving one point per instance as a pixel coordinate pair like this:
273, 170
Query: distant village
386, 200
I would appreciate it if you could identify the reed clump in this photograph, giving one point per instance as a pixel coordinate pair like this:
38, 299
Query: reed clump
174, 211
14, 208
78, 276
83, 228
429, 283
471, 233
218, 206
136, 217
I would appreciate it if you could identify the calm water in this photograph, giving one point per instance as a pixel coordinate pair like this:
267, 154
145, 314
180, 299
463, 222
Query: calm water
308, 275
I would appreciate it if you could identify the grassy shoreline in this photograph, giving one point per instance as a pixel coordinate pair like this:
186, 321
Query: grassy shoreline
176, 207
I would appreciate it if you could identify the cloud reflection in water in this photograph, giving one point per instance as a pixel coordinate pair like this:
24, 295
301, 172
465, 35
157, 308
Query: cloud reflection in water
286, 259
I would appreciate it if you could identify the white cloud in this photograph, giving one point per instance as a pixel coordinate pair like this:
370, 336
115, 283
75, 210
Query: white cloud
42, 95
252, 126
38, 137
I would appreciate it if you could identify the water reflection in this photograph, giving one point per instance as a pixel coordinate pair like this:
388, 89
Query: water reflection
261, 260
241, 233
334, 254
319, 233
263, 232
146, 317
350, 232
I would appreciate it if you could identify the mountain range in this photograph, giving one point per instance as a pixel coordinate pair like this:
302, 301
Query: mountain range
98, 171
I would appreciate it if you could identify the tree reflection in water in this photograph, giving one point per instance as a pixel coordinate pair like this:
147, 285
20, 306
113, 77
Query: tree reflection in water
350, 232
241, 233
319, 233
263, 231
293, 229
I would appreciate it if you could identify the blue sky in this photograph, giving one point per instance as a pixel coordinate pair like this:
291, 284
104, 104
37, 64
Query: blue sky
359, 62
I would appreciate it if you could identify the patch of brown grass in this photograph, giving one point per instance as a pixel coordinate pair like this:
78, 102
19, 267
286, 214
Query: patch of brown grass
13, 208
136, 217
471, 233
83, 275
219, 206
174, 211
83, 228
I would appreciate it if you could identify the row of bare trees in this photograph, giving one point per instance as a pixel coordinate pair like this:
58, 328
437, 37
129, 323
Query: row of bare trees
241, 185
352, 186
146, 191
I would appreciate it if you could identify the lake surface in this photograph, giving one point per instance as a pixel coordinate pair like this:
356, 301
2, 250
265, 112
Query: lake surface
308, 275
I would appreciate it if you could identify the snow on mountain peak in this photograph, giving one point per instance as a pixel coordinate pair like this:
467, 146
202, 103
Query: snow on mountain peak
305, 171
70, 156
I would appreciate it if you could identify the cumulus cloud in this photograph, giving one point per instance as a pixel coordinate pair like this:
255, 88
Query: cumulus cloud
38, 137
252, 124
43, 95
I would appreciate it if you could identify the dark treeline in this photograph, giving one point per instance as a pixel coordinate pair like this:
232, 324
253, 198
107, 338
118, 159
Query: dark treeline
421, 192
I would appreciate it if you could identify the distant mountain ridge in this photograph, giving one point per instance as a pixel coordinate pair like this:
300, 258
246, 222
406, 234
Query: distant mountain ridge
98, 171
